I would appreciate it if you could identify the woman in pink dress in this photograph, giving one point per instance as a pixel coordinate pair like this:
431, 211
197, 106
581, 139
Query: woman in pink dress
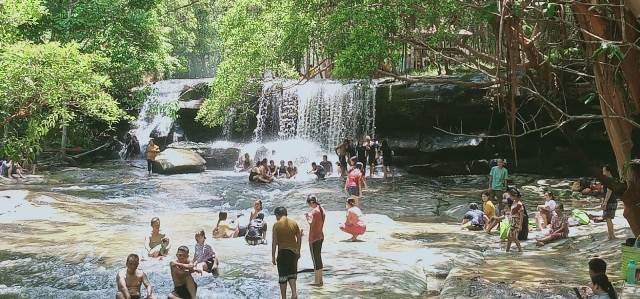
353, 225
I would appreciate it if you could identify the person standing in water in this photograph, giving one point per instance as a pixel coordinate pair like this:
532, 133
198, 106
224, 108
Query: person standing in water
341, 152
516, 219
355, 182
129, 280
152, 152
184, 285
498, 183
287, 240
316, 218
372, 152
609, 204
387, 158
361, 156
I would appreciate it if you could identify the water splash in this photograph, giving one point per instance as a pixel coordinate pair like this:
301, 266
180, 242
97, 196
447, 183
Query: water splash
324, 111
150, 121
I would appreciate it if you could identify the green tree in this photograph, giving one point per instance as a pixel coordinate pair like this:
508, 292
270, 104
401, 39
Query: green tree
45, 86
350, 38
15, 13
129, 33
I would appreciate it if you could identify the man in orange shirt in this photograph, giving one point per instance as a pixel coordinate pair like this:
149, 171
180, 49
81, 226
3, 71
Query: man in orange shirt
152, 152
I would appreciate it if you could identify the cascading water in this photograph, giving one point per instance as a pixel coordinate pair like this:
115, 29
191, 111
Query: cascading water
322, 111
151, 120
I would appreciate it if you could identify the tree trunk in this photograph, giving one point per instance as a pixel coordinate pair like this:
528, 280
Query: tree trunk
611, 94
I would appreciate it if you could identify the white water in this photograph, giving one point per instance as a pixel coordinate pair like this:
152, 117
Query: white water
324, 111
165, 92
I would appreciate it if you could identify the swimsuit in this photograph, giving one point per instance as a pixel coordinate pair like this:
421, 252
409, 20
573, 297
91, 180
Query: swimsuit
182, 291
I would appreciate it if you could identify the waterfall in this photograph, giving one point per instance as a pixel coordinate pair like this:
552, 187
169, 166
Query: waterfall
152, 120
322, 111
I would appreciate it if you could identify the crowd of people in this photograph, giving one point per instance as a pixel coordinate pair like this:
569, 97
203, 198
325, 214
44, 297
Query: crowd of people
512, 218
286, 244
368, 152
502, 208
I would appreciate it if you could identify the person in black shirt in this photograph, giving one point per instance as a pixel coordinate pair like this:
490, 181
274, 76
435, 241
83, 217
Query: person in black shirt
282, 170
372, 152
326, 164
387, 157
318, 170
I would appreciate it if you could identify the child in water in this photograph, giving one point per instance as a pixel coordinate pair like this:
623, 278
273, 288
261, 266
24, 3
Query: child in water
161, 249
156, 239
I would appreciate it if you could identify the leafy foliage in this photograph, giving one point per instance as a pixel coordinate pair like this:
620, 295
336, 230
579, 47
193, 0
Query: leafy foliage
128, 33
14, 13
272, 38
44, 86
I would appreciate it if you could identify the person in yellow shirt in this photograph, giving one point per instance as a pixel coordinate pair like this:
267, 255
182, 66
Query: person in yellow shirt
287, 239
487, 206
152, 152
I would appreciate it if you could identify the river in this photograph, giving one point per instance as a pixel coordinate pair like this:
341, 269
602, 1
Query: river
65, 235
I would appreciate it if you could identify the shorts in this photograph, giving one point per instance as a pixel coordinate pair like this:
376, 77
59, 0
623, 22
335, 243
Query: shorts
320, 176
475, 227
316, 250
135, 296
353, 190
182, 291
210, 263
610, 210
287, 262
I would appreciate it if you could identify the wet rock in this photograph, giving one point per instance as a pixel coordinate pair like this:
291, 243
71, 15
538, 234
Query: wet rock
434, 143
451, 168
219, 155
199, 92
173, 161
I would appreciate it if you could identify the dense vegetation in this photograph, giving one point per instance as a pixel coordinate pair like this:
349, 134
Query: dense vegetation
72, 64
67, 68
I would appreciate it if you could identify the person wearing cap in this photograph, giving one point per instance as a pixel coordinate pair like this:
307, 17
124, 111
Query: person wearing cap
474, 219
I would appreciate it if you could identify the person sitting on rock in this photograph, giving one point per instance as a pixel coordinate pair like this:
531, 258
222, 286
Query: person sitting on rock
545, 211
244, 163
474, 219
156, 240
559, 227
223, 229
273, 168
204, 256
256, 230
282, 169
292, 170
130, 279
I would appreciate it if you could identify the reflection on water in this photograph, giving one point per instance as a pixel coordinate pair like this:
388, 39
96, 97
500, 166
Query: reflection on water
66, 238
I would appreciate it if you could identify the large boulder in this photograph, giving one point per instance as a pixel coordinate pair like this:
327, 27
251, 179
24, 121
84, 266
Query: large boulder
218, 155
173, 161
